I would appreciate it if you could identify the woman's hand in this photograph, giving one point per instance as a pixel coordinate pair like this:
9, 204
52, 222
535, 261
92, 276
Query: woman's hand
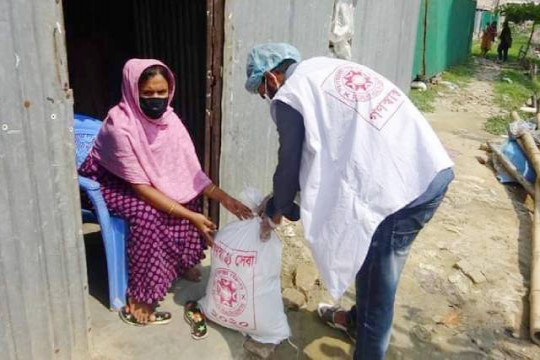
234, 206
237, 208
205, 226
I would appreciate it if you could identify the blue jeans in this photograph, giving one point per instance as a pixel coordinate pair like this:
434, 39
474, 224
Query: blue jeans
377, 280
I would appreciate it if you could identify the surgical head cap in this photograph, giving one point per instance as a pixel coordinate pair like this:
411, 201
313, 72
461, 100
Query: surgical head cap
266, 57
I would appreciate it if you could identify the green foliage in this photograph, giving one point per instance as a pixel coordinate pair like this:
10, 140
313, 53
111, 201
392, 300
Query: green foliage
512, 96
519, 13
497, 125
424, 100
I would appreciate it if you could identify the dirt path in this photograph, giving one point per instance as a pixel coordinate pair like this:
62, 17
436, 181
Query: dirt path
480, 233
476, 97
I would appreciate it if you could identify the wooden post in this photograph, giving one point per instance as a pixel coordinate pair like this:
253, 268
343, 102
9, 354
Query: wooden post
534, 297
527, 143
515, 116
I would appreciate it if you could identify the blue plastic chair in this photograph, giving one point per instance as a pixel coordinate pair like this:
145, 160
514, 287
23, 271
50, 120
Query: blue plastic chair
114, 230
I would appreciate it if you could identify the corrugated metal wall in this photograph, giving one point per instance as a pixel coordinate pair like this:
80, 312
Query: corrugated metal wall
43, 286
482, 19
385, 37
249, 139
487, 18
419, 58
446, 28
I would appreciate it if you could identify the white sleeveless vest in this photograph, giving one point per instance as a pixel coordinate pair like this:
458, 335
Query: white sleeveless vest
368, 152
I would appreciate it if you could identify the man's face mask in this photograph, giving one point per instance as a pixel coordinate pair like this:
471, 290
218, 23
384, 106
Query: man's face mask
269, 93
266, 96
153, 107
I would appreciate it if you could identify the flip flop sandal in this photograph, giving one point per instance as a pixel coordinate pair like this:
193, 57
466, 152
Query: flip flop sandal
198, 278
326, 313
160, 318
196, 320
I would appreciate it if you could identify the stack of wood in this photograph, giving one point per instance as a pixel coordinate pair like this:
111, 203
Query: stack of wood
532, 106
530, 148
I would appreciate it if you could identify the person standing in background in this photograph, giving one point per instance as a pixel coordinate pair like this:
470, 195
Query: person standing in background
505, 42
487, 39
493, 31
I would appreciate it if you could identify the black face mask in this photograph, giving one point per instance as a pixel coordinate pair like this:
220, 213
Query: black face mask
153, 107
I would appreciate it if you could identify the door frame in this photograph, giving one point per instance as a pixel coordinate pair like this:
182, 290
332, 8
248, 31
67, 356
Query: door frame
215, 34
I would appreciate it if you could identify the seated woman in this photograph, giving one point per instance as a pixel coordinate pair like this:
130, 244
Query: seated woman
149, 173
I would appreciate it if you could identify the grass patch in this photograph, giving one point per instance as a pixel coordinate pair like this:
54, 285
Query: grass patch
475, 50
518, 40
497, 125
513, 96
424, 100
460, 75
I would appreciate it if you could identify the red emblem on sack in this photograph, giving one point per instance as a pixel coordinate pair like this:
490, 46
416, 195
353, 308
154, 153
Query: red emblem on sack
229, 292
354, 84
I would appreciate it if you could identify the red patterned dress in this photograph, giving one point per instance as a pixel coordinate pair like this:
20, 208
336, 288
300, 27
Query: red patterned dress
160, 247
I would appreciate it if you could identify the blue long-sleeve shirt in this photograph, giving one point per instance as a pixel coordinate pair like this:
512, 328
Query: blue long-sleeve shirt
290, 127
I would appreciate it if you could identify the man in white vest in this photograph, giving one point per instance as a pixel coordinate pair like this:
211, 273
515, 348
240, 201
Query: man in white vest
370, 171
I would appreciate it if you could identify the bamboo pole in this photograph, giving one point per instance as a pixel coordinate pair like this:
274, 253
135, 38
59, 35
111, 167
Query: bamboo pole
515, 116
538, 114
528, 145
534, 297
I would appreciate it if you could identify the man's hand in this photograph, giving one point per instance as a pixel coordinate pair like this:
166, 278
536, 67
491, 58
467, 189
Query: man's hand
268, 225
261, 209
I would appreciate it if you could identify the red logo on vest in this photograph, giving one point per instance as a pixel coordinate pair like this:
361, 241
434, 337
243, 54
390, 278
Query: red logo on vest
354, 84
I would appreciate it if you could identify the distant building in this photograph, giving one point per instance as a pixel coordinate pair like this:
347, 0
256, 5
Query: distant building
485, 12
490, 5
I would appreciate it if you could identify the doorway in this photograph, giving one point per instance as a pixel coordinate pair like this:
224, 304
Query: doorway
187, 35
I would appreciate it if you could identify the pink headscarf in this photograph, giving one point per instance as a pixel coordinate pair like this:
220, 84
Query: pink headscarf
142, 150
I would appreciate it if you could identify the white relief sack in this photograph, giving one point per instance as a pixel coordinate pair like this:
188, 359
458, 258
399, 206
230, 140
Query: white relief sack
244, 288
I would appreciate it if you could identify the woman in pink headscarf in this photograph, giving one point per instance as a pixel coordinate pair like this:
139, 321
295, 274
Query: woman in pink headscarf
149, 173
